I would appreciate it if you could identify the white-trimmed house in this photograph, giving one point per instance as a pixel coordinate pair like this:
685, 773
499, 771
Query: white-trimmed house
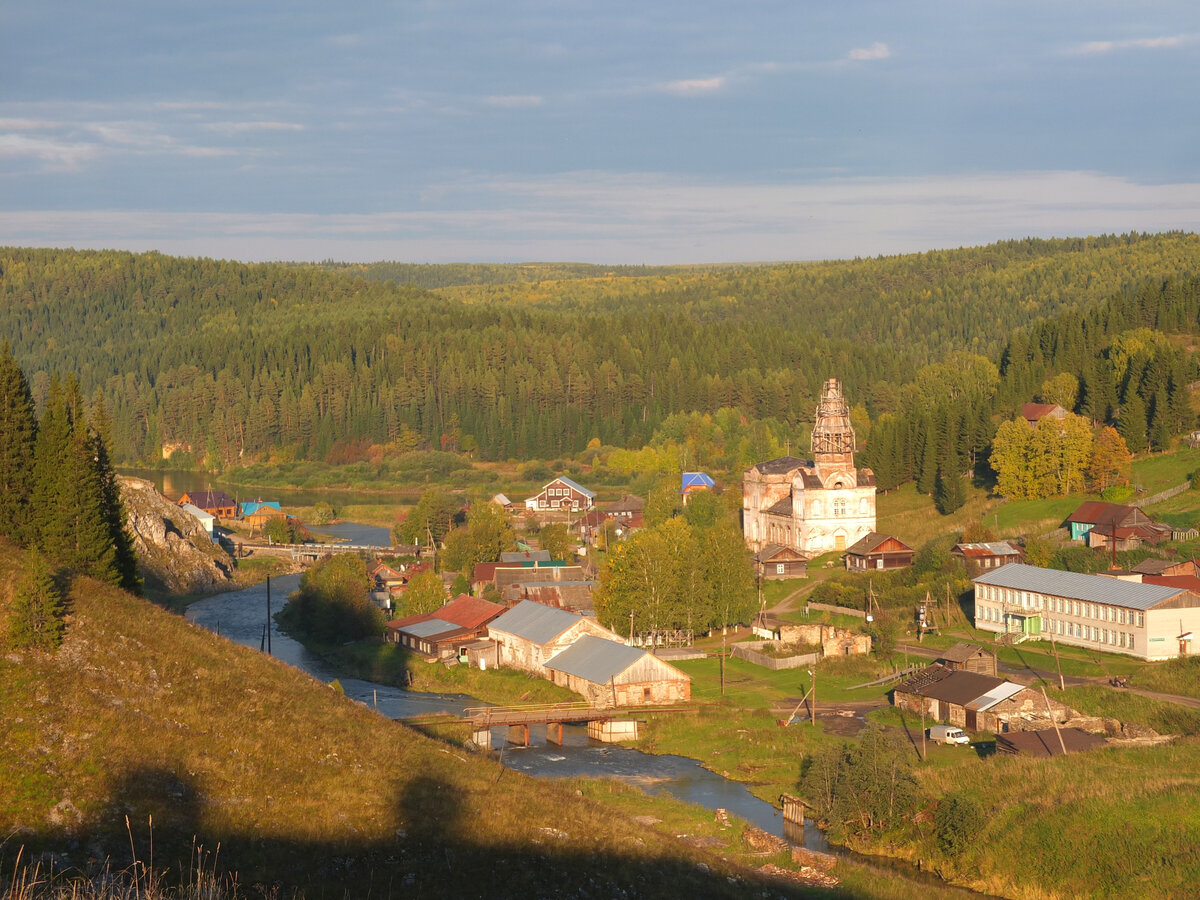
562, 494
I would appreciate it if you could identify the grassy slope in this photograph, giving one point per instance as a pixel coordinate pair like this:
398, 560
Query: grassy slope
141, 714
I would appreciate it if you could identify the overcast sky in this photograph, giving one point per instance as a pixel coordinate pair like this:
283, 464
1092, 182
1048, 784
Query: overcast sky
614, 132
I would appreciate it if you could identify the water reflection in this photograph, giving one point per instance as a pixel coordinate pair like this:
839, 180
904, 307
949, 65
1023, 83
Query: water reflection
242, 615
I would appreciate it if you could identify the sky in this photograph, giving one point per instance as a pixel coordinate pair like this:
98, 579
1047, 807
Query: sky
617, 132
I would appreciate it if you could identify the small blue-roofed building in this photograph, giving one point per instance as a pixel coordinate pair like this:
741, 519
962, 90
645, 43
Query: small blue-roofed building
562, 494
530, 633
691, 482
611, 674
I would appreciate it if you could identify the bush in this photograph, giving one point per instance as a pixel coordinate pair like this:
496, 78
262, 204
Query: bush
957, 821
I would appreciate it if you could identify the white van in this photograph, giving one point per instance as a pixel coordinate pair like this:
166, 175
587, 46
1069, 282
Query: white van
948, 734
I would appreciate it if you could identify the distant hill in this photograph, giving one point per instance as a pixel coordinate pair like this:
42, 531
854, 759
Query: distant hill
230, 363
140, 714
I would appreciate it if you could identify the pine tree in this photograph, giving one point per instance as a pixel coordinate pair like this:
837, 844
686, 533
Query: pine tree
18, 434
37, 609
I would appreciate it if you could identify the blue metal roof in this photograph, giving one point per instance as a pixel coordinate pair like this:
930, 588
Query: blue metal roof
696, 479
595, 659
1076, 586
535, 622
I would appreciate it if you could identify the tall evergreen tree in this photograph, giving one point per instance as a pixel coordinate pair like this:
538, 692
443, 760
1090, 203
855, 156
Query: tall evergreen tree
37, 621
1131, 423
950, 494
18, 434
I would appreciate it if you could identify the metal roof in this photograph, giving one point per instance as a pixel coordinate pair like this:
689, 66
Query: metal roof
516, 556
696, 479
1076, 586
595, 659
535, 622
573, 485
780, 466
990, 698
429, 628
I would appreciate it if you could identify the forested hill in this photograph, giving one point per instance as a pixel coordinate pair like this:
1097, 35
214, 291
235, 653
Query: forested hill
237, 360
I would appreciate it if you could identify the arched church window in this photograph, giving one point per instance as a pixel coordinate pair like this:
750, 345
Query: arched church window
839, 507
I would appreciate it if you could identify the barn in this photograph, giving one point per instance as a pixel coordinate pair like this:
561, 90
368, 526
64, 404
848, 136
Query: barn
611, 674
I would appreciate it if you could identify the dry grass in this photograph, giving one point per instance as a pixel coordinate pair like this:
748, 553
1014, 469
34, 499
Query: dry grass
141, 714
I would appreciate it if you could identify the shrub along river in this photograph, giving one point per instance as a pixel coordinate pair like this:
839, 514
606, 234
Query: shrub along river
241, 616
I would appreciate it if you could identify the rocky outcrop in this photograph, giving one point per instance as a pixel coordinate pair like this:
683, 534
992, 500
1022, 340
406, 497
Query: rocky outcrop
175, 553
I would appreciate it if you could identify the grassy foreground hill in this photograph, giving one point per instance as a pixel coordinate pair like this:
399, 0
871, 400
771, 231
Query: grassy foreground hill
147, 737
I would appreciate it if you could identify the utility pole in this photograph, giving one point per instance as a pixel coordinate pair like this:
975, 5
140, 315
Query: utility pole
722, 665
813, 697
924, 749
269, 615
1053, 646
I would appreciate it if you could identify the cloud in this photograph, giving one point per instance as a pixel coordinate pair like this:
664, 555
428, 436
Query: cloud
648, 218
514, 101
692, 87
57, 155
242, 127
1097, 48
877, 50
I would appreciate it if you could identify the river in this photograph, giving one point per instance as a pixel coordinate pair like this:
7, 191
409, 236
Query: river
240, 616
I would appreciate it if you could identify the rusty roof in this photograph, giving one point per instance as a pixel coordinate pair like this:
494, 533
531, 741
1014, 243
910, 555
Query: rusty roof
1045, 743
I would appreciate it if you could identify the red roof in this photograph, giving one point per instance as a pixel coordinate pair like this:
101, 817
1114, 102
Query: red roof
1186, 582
469, 612
1033, 412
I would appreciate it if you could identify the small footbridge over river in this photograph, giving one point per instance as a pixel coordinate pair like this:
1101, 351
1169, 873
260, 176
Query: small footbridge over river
607, 724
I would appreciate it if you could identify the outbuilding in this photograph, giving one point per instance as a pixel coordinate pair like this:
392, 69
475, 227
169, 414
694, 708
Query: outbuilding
611, 674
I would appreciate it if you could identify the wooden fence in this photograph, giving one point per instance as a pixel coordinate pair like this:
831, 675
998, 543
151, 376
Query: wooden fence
775, 663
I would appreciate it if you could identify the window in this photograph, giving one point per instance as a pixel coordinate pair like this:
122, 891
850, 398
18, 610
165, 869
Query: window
1122, 638
1121, 617
1131, 640
839, 507
1141, 620
779, 568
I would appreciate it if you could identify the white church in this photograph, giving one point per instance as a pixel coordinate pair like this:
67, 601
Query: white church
812, 506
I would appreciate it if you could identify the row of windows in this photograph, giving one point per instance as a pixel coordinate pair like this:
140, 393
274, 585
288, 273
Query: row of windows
1077, 630
1032, 600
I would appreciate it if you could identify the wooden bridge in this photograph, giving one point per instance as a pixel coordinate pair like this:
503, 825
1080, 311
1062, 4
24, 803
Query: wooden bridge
310, 553
607, 724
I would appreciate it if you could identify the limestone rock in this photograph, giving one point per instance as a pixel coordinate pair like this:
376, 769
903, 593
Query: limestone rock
175, 553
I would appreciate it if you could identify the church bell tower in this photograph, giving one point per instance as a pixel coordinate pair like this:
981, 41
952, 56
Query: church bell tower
833, 436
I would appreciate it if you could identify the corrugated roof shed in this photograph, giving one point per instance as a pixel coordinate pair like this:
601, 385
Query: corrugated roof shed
963, 651
535, 622
595, 659
1076, 586
468, 611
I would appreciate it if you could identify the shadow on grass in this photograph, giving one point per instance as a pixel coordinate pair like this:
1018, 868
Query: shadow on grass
435, 847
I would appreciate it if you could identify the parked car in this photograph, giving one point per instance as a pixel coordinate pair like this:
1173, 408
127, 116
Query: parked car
948, 734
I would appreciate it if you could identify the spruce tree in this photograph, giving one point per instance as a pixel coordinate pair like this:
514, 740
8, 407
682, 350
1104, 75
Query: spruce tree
124, 555
52, 465
949, 494
37, 609
18, 433
1131, 423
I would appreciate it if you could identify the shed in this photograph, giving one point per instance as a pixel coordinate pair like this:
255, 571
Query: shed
943, 694
980, 556
609, 673
530, 633
877, 552
970, 658
206, 519
1045, 743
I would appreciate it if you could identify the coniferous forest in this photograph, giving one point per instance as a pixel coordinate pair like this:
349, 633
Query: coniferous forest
235, 363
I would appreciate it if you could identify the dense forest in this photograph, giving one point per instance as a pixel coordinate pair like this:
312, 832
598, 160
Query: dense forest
231, 362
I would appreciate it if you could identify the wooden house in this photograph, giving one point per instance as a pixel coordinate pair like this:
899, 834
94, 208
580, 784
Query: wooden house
445, 633
943, 694
384, 577
774, 561
216, 503
1167, 567
562, 494
878, 552
529, 634
610, 674
1098, 523
258, 514
1035, 412
983, 555
969, 658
